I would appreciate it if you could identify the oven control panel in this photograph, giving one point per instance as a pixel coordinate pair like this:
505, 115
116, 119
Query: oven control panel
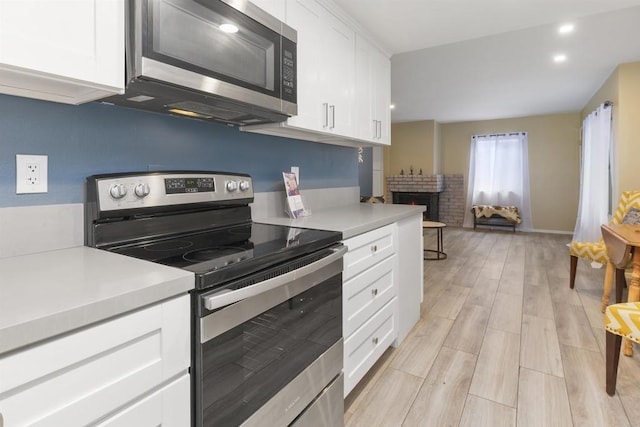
122, 191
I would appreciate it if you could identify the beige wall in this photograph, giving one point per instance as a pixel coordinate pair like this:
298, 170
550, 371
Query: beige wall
554, 148
554, 163
412, 145
554, 158
628, 155
623, 89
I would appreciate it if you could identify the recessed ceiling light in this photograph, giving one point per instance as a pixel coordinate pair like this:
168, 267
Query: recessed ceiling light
392, 106
228, 28
561, 57
566, 28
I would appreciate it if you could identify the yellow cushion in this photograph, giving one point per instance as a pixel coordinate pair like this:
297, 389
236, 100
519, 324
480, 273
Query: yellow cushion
593, 251
624, 320
628, 200
597, 251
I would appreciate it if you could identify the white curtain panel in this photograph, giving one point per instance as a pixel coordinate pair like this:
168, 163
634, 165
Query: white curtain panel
594, 175
499, 174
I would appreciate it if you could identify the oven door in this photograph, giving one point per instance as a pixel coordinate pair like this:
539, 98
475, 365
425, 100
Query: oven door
267, 351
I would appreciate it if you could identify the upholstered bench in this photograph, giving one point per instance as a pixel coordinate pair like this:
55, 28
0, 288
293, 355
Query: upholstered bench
499, 216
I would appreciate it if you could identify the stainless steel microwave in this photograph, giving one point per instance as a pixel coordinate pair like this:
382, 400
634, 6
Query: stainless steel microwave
220, 60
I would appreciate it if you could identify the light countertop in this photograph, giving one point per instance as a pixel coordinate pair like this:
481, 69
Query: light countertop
50, 293
351, 219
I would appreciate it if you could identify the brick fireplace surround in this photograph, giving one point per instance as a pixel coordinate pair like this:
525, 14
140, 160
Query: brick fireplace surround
450, 187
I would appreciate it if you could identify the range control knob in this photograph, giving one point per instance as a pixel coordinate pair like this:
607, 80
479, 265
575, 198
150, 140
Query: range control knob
118, 191
232, 186
244, 185
142, 190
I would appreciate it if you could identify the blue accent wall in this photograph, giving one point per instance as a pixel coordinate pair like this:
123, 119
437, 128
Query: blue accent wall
366, 172
97, 138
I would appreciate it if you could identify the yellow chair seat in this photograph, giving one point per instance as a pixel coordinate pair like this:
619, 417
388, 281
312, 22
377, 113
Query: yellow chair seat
620, 320
597, 251
593, 251
623, 319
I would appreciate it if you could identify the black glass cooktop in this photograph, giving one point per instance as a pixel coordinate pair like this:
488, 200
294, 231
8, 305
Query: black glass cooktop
217, 256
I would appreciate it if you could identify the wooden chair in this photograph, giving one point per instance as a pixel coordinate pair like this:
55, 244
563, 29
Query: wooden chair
620, 320
597, 251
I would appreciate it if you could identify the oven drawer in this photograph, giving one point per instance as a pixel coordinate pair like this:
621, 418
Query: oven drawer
86, 375
327, 410
365, 294
366, 345
368, 249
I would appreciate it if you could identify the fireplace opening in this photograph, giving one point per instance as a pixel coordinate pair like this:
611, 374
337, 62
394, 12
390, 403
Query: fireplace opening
430, 200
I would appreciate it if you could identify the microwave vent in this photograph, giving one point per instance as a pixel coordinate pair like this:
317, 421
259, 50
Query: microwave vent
206, 110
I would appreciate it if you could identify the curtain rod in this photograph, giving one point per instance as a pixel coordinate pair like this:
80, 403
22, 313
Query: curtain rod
499, 134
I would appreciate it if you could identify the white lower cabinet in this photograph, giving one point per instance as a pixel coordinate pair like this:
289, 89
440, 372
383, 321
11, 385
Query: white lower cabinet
365, 346
119, 370
167, 407
370, 304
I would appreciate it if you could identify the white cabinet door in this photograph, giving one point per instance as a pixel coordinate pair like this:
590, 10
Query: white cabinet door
365, 346
306, 17
382, 95
167, 407
86, 375
373, 93
337, 78
366, 123
66, 51
325, 69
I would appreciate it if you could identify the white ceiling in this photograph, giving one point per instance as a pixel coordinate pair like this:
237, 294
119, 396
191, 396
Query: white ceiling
460, 60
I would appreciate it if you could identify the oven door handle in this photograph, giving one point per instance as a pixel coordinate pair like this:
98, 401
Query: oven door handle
225, 297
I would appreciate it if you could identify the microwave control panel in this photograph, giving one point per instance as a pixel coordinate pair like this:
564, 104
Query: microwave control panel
289, 92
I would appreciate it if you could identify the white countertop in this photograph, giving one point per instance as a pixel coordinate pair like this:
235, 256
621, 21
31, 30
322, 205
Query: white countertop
352, 219
50, 293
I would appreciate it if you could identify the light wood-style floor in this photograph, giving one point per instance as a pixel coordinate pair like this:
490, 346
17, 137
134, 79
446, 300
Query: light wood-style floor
502, 341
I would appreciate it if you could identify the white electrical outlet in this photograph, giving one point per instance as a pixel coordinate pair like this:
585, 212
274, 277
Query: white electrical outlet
31, 174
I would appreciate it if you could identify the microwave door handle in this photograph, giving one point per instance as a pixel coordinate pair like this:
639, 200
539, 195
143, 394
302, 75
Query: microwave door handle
225, 297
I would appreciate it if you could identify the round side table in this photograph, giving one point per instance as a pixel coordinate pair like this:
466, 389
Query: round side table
435, 254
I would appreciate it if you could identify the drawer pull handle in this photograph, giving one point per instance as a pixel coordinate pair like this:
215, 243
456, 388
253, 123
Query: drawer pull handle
374, 292
375, 341
374, 248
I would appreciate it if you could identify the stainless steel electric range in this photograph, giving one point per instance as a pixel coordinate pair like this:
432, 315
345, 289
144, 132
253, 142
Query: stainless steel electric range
267, 304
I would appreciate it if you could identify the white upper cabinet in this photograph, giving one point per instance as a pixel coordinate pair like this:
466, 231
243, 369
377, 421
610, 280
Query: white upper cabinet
307, 15
373, 93
275, 8
343, 81
63, 51
382, 95
325, 69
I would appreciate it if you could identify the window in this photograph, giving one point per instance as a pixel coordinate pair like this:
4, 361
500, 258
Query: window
499, 174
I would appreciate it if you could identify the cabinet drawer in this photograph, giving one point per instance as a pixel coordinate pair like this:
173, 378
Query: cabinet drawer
167, 407
368, 249
366, 345
366, 293
85, 375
